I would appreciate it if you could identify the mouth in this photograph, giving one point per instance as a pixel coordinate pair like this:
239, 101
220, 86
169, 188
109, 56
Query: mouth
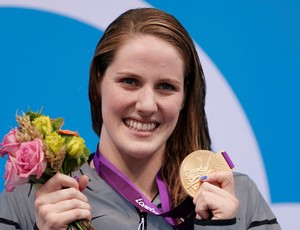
141, 126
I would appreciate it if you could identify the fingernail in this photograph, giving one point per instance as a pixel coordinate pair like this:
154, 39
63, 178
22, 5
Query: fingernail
203, 178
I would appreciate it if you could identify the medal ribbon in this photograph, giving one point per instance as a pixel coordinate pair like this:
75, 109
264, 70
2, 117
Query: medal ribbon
120, 183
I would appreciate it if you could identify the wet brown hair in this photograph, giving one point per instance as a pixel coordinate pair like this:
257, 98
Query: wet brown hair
191, 132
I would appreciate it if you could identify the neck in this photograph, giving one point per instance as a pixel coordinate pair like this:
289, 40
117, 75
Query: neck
143, 177
141, 172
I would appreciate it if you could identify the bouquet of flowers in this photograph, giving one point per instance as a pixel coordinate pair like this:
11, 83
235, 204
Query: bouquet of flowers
38, 149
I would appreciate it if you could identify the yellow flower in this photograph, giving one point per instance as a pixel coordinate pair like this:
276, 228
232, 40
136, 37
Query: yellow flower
55, 142
43, 124
75, 147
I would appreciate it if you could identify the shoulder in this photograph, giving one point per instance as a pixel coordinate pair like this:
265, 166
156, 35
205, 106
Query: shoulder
17, 208
253, 210
21, 194
245, 188
243, 181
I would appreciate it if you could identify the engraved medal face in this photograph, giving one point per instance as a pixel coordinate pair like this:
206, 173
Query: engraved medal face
198, 164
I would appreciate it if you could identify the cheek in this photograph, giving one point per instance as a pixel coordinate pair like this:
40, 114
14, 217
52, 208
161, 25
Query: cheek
113, 102
172, 111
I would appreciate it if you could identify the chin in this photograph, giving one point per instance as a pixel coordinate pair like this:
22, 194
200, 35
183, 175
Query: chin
142, 153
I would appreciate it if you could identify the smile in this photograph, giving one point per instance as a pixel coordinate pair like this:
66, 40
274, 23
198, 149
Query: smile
139, 126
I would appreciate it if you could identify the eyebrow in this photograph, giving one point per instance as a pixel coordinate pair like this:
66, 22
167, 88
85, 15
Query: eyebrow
175, 82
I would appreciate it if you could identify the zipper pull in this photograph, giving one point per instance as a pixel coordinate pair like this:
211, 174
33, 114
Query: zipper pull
143, 221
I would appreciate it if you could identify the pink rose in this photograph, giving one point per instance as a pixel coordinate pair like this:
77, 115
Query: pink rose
9, 144
11, 175
30, 159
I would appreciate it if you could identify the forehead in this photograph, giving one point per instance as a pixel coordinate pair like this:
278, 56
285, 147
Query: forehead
149, 48
143, 46
149, 58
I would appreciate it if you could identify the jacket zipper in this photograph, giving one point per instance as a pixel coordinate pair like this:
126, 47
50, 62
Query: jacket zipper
143, 220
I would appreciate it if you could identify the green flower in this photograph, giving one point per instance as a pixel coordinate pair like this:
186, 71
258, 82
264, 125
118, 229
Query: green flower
75, 147
55, 142
43, 124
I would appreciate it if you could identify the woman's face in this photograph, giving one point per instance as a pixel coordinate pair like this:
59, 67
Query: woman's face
142, 94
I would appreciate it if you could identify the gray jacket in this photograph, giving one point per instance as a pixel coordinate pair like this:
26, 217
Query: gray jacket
112, 211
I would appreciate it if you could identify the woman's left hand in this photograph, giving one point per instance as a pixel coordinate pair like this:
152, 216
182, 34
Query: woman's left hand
216, 198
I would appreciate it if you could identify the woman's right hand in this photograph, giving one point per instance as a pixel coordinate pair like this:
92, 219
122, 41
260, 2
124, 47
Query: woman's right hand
60, 202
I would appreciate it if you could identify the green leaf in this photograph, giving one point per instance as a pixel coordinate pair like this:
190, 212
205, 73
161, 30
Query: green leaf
85, 156
67, 138
33, 115
57, 123
70, 165
48, 172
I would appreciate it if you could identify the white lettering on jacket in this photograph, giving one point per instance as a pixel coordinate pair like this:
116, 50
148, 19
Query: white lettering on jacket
141, 203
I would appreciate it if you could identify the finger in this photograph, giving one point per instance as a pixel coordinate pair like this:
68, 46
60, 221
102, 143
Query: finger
67, 205
59, 181
214, 203
58, 196
51, 222
75, 214
224, 180
214, 207
83, 182
208, 187
201, 202
203, 213
198, 216
211, 206
61, 220
57, 214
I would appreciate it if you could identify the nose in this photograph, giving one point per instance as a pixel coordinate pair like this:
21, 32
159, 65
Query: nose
146, 102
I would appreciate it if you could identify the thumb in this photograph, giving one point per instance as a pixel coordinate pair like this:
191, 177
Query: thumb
83, 182
224, 180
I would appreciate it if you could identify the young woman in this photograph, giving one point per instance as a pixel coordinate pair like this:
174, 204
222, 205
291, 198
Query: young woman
147, 95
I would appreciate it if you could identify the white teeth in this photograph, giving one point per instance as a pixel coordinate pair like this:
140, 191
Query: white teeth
145, 127
140, 126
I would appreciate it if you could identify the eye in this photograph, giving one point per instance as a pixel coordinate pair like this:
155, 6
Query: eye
129, 81
166, 86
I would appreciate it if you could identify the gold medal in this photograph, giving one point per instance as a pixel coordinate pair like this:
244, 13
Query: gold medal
201, 163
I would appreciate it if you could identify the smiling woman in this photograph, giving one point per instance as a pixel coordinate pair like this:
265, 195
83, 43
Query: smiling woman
63, 52
69, 49
145, 72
